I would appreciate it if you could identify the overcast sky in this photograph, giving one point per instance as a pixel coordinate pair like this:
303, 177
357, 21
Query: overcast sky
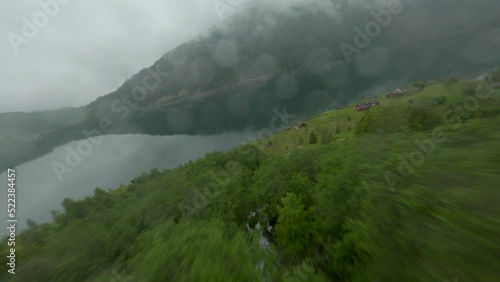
89, 48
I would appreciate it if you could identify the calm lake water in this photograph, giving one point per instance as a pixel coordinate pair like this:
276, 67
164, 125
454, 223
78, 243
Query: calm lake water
116, 160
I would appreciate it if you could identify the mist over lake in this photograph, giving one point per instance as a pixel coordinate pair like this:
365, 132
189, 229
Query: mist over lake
117, 160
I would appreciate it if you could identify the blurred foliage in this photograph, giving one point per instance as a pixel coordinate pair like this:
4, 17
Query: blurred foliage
423, 116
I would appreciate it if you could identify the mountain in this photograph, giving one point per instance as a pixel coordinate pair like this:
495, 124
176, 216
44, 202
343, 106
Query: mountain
406, 191
306, 57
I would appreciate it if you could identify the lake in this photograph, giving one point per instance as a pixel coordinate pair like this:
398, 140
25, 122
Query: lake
115, 161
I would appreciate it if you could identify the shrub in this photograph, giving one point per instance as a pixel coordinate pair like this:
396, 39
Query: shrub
440, 100
422, 117
420, 84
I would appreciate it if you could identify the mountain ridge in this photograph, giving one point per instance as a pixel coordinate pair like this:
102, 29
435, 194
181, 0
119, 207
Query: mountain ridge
292, 51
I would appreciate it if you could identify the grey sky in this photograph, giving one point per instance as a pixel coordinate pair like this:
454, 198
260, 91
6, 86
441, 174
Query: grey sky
89, 48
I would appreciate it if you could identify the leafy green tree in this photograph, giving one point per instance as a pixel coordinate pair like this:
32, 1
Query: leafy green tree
423, 117
295, 229
271, 183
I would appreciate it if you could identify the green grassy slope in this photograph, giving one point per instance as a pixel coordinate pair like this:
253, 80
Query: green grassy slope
409, 193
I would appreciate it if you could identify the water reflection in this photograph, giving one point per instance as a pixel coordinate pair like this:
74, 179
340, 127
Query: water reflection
117, 160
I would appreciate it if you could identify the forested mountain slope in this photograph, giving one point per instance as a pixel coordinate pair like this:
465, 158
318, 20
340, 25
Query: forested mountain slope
407, 191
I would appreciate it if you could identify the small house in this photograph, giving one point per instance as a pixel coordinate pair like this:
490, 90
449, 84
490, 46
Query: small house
362, 107
393, 95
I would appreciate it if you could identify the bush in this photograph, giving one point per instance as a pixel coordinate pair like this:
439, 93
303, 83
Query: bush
440, 100
420, 84
422, 117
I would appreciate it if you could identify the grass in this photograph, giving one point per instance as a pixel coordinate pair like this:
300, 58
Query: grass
336, 123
